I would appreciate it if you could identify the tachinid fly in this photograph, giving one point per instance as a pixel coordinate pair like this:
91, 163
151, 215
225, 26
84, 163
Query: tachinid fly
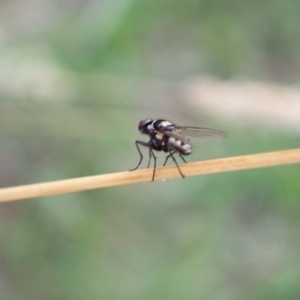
170, 138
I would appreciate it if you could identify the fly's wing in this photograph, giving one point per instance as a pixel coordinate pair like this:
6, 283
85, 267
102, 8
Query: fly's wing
176, 135
182, 132
200, 132
172, 131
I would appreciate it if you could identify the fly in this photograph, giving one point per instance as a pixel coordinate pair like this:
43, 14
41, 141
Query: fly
170, 138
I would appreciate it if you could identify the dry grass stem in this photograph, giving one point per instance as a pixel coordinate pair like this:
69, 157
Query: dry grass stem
129, 177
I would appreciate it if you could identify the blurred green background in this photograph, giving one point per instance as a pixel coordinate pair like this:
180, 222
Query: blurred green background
76, 77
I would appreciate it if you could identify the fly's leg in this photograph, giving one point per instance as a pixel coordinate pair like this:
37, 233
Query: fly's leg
137, 143
183, 158
154, 168
171, 154
168, 157
151, 154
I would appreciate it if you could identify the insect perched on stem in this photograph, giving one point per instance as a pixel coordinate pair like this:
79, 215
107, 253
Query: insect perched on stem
170, 138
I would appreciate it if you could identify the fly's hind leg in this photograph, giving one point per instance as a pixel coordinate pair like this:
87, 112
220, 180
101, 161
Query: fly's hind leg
183, 158
171, 155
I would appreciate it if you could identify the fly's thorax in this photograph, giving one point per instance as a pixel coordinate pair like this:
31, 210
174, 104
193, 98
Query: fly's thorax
163, 125
179, 146
154, 126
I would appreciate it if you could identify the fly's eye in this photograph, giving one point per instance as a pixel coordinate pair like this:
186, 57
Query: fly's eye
143, 124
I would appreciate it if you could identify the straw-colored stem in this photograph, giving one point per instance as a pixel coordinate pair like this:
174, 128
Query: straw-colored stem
129, 177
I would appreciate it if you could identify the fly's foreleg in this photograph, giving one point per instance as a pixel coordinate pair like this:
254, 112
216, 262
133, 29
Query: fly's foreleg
151, 154
137, 143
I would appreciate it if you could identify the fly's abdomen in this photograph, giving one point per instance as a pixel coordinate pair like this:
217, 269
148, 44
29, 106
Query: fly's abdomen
179, 146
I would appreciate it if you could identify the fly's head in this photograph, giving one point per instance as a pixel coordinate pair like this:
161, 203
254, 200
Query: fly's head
144, 126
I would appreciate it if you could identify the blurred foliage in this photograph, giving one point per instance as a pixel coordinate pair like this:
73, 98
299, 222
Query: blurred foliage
72, 89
